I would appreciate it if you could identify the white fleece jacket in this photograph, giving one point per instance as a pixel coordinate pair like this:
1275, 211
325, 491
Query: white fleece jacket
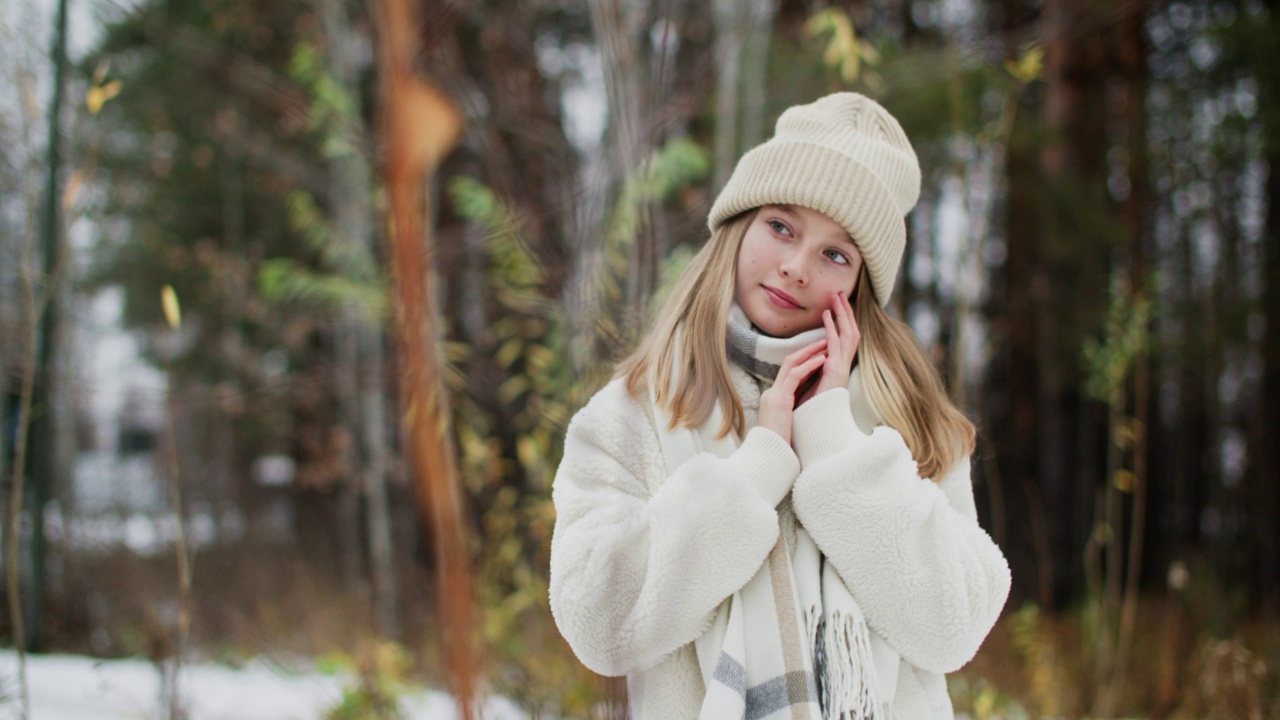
642, 555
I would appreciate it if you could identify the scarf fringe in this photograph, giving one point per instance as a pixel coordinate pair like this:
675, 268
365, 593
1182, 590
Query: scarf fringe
843, 666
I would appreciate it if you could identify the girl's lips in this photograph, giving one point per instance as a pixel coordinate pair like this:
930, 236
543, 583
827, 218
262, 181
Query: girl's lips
781, 299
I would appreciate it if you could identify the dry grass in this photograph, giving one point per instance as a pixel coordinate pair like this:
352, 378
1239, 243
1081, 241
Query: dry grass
266, 600
1179, 670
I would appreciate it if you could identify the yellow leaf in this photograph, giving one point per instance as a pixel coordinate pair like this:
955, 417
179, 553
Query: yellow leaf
849, 68
98, 95
513, 387
169, 301
94, 98
985, 704
1124, 480
528, 451
1028, 67
510, 350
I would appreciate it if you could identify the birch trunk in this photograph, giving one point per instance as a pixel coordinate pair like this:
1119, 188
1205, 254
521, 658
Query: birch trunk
363, 360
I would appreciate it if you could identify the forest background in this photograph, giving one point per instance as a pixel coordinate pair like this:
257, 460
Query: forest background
1094, 266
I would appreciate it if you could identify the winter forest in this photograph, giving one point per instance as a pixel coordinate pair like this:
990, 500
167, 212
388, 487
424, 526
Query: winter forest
297, 299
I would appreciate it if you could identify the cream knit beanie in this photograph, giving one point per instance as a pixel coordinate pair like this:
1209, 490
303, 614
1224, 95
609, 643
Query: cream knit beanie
846, 157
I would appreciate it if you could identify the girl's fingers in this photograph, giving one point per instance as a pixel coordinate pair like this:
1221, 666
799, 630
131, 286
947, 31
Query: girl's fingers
801, 355
792, 373
846, 310
841, 332
850, 330
797, 374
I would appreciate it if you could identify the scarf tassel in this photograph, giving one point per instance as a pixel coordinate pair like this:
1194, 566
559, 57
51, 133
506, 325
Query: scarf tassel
843, 666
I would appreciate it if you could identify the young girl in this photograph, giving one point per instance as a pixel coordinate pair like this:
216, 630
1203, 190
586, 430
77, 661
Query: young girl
768, 512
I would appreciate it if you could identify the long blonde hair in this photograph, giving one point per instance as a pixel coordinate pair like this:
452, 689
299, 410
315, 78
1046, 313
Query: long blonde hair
906, 389
684, 355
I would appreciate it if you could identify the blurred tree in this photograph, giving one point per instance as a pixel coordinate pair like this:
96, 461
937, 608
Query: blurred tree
1265, 453
220, 173
1250, 79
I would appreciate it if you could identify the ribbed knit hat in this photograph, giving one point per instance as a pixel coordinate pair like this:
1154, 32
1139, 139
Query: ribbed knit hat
846, 157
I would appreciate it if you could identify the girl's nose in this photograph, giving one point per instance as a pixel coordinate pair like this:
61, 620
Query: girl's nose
792, 268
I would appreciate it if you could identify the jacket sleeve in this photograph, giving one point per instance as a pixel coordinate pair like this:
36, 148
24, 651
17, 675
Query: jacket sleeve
929, 578
641, 558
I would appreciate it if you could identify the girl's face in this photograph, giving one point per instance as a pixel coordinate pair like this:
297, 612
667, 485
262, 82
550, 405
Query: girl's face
792, 261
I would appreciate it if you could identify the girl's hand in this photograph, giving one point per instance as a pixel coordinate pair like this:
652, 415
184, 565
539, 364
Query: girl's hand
843, 339
779, 401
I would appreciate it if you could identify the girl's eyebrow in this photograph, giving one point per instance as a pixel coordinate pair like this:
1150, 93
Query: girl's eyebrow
789, 211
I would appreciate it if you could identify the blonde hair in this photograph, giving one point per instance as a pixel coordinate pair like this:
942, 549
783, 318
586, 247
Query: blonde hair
691, 330
684, 356
906, 389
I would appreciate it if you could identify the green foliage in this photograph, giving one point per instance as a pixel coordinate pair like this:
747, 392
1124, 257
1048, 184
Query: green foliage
1037, 648
198, 177
980, 699
350, 256
379, 674
514, 274
672, 268
332, 112
1125, 336
538, 391
672, 168
347, 274
284, 280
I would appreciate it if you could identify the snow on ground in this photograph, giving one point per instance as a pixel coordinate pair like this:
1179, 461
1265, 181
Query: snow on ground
73, 687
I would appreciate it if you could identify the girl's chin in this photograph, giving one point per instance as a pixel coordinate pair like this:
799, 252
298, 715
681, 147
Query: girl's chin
777, 324
780, 330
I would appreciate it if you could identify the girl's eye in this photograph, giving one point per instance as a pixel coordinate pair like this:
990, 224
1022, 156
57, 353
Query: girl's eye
779, 227
837, 256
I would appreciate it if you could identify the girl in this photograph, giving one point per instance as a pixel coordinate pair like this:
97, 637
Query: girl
768, 512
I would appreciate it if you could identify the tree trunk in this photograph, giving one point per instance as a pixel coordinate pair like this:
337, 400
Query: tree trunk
376, 479
43, 463
755, 73
1075, 268
346, 369
1017, 371
729, 41
1266, 458
364, 362
1268, 490
1135, 211
621, 29
419, 126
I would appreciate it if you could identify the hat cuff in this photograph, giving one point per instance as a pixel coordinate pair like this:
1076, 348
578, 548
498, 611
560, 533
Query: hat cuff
783, 172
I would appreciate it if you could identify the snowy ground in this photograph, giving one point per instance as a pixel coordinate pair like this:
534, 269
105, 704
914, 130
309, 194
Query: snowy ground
72, 687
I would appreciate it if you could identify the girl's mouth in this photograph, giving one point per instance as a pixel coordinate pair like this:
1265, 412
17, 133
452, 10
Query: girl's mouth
781, 299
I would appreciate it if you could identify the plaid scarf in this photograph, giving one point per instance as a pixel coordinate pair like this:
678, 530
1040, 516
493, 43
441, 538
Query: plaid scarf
759, 354
792, 644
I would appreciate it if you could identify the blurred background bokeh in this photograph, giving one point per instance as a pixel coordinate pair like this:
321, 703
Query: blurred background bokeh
1094, 266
